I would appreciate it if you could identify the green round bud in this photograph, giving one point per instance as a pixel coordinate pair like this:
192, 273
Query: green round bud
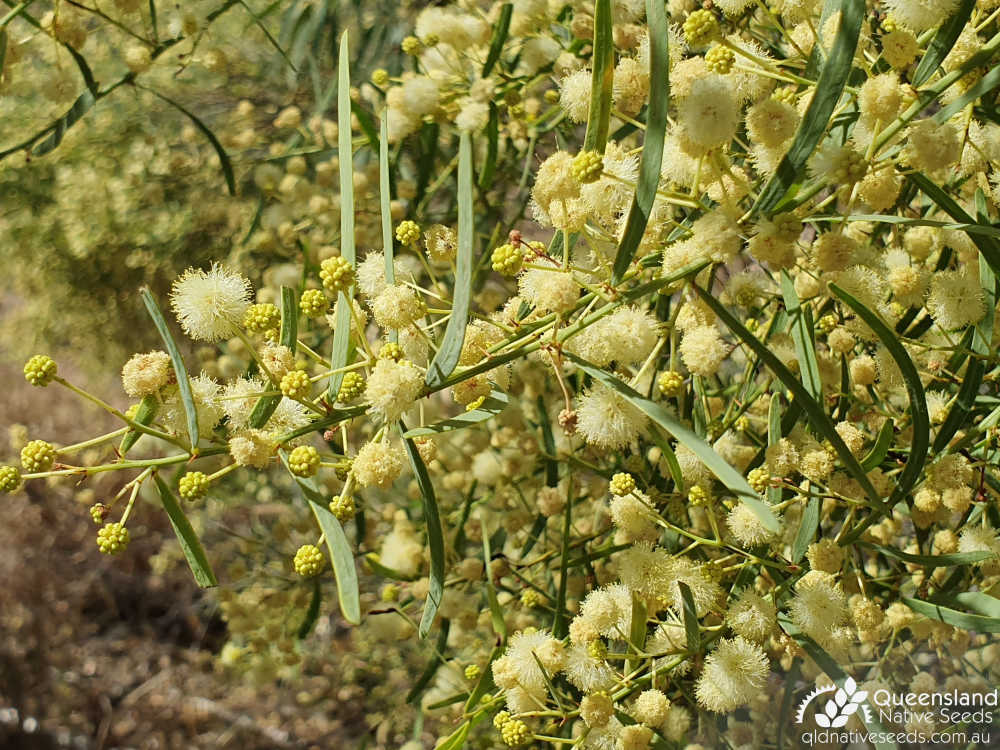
380, 77
720, 60
304, 461
342, 468
759, 479
40, 370
700, 28
507, 259
514, 732
670, 383
408, 232
587, 166
314, 303
295, 384
622, 484
37, 456
411, 46
98, 511
309, 561
261, 317
391, 350
112, 538
343, 508
193, 485
337, 274
472, 672
352, 386
530, 599
10, 478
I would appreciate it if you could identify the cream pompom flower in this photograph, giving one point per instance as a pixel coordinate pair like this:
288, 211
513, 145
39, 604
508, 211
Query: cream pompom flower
210, 304
734, 673
606, 420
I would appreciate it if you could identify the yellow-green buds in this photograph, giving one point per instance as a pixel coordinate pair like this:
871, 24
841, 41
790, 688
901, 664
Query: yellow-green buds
507, 259
380, 77
514, 732
261, 317
352, 386
407, 232
38, 456
295, 384
587, 166
472, 672
303, 461
720, 59
411, 46
622, 484
309, 561
700, 28
827, 323
98, 511
670, 383
112, 538
343, 508
193, 485
390, 350
336, 273
40, 370
314, 303
530, 599
697, 495
759, 479
10, 478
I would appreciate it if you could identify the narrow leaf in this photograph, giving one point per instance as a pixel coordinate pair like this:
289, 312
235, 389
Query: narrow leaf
988, 246
180, 371
224, 162
144, 415
58, 129
312, 614
803, 335
931, 561
830, 86
712, 460
983, 86
373, 562
454, 336
817, 415
603, 62
691, 629
485, 683
560, 624
974, 622
341, 554
496, 613
807, 529
495, 403
500, 30
879, 451
652, 145
194, 553
288, 336
342, 328
942, 43
435, 537
914, 389
774, 435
